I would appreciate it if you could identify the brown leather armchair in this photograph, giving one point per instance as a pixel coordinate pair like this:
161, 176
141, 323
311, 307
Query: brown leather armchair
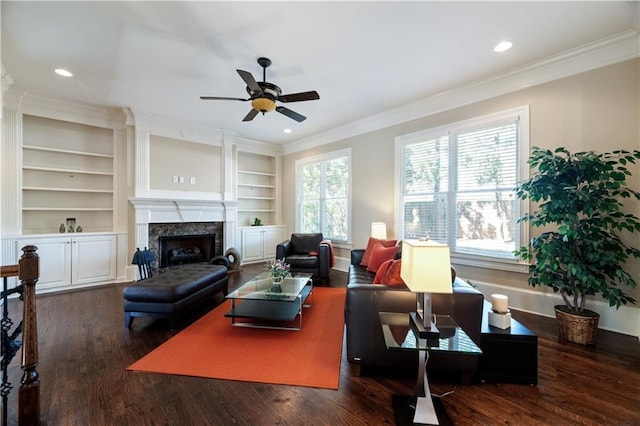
298, 252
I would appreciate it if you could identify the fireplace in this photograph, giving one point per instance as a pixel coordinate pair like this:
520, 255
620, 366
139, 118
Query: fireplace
186, 242
182, 249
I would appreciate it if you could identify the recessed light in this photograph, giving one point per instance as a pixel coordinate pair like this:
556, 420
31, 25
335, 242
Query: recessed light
287, 130
63, 72
503, 46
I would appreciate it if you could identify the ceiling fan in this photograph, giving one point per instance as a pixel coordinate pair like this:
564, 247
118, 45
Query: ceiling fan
263, 95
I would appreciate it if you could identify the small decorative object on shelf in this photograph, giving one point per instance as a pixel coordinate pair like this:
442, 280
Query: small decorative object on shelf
257, 222
79, 228
278, 271
62, 228
71, 224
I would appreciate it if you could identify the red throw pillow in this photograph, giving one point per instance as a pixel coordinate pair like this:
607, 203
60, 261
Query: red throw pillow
372, 242
379, 254
389, 273
382, 270
392, 277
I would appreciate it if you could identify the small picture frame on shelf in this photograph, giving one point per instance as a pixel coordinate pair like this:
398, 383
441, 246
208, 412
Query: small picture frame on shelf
71, 224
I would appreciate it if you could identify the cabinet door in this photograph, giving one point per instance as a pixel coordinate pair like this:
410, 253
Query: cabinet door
55, 261
272, 237
93, 259
252, 244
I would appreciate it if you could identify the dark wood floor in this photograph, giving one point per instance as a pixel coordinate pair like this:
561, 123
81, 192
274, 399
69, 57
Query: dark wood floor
84, 350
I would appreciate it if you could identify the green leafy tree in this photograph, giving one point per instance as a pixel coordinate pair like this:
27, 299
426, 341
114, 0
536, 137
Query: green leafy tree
580, 198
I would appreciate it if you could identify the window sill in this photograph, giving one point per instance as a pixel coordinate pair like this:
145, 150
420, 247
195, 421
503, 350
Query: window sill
489, 263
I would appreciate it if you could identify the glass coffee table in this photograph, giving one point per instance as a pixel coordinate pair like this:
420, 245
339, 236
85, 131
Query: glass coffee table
260, 304
399, 335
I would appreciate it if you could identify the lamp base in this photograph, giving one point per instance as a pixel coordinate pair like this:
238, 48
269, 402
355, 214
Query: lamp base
420, 330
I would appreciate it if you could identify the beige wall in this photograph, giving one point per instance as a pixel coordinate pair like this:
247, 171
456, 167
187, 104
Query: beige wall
173, 157
597, 110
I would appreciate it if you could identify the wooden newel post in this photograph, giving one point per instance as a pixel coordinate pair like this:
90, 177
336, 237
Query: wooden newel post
29, 396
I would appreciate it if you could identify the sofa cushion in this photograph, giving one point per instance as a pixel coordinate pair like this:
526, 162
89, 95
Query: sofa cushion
359, 275
305, 243
379, 255
303, 261
389, 273
369, 250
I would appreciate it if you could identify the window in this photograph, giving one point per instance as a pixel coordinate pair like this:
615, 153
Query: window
456, 186
324, 195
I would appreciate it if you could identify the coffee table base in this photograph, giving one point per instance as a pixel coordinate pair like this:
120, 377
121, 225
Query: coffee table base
267, 313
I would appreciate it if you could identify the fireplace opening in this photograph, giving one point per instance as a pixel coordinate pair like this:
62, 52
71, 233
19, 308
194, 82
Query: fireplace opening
183, 249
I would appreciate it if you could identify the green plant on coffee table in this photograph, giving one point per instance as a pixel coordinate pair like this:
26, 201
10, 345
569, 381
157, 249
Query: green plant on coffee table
580, 251
278, 268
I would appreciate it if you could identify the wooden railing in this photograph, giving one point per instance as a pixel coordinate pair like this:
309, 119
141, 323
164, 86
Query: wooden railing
27, 271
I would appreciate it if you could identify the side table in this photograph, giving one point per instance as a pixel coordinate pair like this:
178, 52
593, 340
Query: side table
399, 335
509, 355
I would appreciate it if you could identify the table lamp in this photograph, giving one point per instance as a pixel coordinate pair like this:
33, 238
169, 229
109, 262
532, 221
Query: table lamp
379, 230
425, 269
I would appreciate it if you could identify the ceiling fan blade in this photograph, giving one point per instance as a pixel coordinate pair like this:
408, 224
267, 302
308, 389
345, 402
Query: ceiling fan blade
221, 98
291, 114
251, 115
251, 82
297, 97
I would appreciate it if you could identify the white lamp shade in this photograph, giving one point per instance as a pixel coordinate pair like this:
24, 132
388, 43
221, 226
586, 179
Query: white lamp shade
426, 267
379, 230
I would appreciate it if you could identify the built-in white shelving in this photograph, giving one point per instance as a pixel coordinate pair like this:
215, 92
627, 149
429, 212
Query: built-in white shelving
256, 188
67, 171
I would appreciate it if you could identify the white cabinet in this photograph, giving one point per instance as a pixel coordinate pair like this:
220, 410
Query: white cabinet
259, 242
73, 260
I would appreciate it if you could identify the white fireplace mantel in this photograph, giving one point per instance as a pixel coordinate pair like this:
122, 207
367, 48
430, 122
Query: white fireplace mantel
155, 210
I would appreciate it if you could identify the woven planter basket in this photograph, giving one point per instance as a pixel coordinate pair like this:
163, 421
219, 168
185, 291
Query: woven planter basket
577, 328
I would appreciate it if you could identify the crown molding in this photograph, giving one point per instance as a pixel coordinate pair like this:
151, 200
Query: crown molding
77, 112
258, 147
607, 51
7, 80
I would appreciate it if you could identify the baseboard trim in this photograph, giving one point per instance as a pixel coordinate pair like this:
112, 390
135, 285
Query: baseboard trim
342, 264
625, 320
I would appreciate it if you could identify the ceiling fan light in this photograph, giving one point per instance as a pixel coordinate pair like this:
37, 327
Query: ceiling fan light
263, 104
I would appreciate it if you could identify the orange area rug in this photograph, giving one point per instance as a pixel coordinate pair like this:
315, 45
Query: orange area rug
211, 347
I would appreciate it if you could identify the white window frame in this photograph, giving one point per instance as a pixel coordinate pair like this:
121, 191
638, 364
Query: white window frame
522, 114
321, 158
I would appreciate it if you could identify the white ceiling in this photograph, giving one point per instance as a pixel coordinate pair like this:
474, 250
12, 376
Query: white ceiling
363, 58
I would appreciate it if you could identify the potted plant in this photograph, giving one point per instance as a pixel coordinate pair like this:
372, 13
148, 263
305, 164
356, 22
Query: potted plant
580, 252
278, 270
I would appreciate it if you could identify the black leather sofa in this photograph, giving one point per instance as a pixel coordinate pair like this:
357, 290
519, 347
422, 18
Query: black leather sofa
296, 252
365, 341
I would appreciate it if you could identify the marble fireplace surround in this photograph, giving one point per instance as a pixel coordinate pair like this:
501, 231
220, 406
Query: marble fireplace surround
206, 230
197, 216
